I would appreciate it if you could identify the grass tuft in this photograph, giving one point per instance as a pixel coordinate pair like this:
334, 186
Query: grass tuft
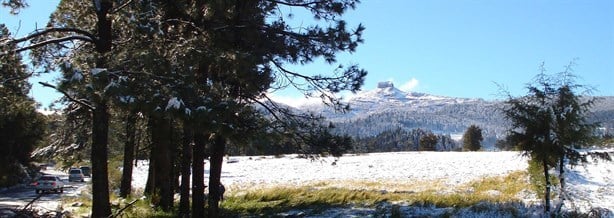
504, 189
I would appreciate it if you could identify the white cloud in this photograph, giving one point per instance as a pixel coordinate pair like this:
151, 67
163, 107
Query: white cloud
409, 85
47, 111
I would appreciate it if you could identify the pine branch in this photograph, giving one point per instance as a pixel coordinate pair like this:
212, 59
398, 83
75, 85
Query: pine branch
81, 35
306, 4
39, 33
7, 80
119, 8
71, 98
52, 41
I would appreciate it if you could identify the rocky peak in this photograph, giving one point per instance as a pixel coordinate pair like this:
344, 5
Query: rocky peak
386, 84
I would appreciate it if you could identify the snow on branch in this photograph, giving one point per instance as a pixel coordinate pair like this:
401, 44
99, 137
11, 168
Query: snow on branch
80, 35
175, 103
71, 98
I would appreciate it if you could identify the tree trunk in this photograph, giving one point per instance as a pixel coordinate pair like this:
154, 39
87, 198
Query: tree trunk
215, 171
126, 183
186, 159
198, 170
547, 194
174, 152
562, 193
100, 119
161, 153
100, 180
151, 172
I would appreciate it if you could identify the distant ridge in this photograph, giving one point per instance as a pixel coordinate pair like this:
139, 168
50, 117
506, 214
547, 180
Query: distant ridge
387, 108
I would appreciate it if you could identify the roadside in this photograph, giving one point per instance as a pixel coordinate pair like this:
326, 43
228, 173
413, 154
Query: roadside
16, 198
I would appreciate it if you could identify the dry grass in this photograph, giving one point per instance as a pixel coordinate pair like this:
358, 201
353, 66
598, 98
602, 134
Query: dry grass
503, 189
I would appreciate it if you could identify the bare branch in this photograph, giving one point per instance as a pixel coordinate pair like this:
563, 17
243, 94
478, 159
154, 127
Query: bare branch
17, 78
52, 41
39, 33
119, 8
306, 4
71, 98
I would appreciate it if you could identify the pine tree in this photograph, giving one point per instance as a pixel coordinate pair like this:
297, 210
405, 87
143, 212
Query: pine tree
549, 124
213, 65
21, 127
472, 138
50, 45
428, 142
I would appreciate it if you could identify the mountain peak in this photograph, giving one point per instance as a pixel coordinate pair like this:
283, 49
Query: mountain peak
386, 84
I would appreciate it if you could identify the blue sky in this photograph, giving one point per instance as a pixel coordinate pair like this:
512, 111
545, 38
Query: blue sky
462, 48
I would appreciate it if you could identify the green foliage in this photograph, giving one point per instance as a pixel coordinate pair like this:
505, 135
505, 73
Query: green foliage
21, 127
549, 123
428, 142
15, 5
115, 173
213, 59
505, 144
472, 138
401, 140
607, 141
537, 179
141, 208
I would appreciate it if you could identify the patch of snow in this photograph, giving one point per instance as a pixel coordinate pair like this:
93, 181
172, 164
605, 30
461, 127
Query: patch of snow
452, 168
96, 71
591, 185
111, 85
174, 103
77, 76
126, 99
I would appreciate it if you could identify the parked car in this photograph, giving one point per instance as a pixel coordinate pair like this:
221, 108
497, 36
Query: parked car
75, 174
49, 183
87, 171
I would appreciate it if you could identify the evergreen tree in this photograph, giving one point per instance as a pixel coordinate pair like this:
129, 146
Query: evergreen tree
428, 142
472, 138
21, 127
49, 46
549, 125
204, 62
530, 116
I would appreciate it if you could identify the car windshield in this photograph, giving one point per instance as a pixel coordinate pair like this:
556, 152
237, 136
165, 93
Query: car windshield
75, 171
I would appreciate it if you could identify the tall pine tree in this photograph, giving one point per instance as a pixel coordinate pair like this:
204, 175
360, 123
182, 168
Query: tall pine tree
21, 127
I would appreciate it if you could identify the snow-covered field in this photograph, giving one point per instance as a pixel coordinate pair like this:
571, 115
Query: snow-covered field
591, 185
453, 168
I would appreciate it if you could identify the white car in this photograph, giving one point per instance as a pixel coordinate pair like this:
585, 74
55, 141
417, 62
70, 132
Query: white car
75, 174
49, 183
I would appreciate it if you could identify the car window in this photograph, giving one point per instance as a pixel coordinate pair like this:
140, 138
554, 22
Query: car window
47, 178
85, 169
75, 171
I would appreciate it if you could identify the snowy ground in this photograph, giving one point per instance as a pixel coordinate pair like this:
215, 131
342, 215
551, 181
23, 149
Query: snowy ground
591, 185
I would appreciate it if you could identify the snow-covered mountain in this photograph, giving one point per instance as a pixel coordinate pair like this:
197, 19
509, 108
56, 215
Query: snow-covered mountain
387, 108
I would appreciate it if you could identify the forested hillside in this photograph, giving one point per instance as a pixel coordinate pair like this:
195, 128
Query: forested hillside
387, 110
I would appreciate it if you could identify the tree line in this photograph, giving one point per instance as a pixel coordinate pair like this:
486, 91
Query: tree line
200, 64
404, 140
177, 82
